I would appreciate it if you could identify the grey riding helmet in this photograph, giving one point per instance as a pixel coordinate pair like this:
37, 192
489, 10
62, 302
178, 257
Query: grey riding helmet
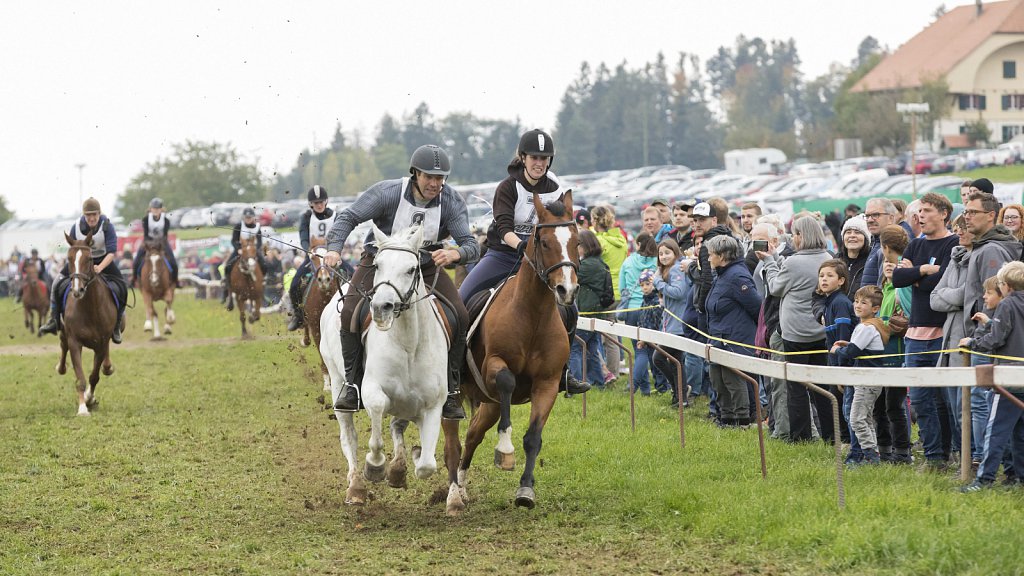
156, 203
430, 159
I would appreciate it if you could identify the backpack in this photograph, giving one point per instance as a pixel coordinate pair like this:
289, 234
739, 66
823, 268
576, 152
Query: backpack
607, 296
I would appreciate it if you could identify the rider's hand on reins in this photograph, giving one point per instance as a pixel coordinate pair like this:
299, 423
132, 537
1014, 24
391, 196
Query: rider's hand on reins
332, 258
445, 257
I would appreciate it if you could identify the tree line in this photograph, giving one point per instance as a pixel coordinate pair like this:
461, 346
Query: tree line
750, 94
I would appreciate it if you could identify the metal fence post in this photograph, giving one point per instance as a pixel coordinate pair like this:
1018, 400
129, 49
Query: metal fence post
632, 404
680, 390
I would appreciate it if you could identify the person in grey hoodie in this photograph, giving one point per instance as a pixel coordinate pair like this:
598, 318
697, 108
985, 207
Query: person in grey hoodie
948, 296
794, 280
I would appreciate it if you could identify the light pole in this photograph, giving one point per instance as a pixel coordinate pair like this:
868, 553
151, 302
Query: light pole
80, 167
913, 109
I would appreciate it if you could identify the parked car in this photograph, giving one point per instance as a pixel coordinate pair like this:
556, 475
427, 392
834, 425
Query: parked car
947, 164
924, 164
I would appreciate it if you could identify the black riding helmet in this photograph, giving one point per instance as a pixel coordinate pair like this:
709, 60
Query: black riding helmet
247, 212
316, 194
430, 159
537, 142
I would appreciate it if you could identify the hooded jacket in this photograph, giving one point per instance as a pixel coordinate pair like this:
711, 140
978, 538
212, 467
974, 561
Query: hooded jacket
995, 248
1009, 316
948, 297
592, 277
674, 292
614, 250
855, 269
794, 281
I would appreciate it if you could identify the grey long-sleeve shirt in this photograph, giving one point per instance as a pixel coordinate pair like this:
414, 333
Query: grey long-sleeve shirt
380, 203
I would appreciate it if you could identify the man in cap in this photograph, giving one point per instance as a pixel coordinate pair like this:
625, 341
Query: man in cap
395, 205
104, 250
314, 224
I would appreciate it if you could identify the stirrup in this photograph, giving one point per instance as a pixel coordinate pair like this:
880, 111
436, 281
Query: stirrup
344, 402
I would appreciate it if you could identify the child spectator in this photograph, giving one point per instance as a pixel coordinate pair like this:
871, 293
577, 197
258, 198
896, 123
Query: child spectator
674, 285
833, 309
981, 398
1006, 421
869, 338
650, 318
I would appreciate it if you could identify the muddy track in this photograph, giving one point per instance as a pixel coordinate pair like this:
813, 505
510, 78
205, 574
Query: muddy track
53, 345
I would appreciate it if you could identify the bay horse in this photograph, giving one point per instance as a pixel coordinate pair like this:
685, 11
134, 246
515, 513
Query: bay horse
34, 298
89, 318
156, 285
518, 353
247, 284
321, 288
406, 370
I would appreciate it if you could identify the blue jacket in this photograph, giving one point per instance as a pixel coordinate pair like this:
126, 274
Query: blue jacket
733, 306
873, 267
839, 320
674, 293
691, 317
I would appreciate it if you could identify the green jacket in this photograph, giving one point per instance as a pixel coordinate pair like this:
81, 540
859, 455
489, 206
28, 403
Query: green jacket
614, 249
593, 276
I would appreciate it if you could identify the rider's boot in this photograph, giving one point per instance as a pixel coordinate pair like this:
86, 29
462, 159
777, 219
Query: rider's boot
298, 317
352, 353
51, 325
118, 327
452, 409
569, 383
226, 297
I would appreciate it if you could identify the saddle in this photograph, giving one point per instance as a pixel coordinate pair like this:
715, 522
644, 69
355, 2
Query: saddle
119, 290
478, 305
443, 311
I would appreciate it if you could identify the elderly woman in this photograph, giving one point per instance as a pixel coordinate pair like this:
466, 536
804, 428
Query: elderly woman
733, 306
794, 280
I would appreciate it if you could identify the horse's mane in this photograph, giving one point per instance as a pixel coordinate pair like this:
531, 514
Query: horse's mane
393, 241
556, 208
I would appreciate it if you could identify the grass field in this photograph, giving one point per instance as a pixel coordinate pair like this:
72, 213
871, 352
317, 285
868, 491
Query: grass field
1014, 173
209, 455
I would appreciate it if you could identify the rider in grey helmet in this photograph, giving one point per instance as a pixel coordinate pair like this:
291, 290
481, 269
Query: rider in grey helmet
394, 205
251, 228
155, 227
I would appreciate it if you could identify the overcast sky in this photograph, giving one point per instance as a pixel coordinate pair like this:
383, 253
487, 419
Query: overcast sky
112, 85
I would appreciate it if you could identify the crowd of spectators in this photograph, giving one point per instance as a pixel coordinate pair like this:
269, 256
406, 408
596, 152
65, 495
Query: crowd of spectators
926, 284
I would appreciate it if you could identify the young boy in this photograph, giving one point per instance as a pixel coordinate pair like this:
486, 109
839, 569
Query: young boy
981, 398
1006, 420
650, 318
836, 314
869, 338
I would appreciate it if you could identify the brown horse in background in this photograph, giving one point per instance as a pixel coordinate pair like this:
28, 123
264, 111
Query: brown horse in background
322, 288
155, 282
519, 351
247, 284
89, 318
34, 298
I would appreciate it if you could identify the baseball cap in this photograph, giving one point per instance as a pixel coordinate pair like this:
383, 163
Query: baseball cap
690, 203
647, 276
661, 201
702, 210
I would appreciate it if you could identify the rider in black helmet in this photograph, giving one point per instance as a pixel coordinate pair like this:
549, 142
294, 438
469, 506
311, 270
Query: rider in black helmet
395, 205
315, 223
249, 227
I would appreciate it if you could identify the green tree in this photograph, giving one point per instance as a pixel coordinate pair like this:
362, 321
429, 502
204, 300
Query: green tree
195, 174
978, 132
5, 213
695, 134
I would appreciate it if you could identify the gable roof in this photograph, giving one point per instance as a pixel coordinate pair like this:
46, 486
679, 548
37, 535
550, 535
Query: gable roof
942, 45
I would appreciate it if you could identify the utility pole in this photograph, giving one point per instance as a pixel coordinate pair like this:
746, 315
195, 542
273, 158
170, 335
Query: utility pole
80, 167
913, 110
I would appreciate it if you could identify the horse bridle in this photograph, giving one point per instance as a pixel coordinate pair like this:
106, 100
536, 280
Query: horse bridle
87, 279
536, 252
404, 301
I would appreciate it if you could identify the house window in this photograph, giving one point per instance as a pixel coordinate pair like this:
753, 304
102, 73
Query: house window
1013, 101
1010, 132
1009, 68
971, 102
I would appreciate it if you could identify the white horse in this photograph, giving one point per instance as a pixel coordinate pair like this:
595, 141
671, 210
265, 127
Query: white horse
405, 370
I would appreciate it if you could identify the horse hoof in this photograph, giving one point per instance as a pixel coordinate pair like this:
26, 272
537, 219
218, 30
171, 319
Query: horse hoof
396, 476
373, 473
526, 498
62, 369
108, 370
355, 496
92, 403
167, 329
147, 326
504, 461
304, 342
83, 410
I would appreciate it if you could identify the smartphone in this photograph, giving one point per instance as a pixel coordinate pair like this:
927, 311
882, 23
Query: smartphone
760, 245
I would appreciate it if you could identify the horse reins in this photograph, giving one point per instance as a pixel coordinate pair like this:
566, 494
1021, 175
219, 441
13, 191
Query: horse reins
536, 252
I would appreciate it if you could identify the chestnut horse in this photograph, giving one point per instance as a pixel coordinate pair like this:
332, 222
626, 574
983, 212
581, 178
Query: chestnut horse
89, 317
34, 298
518, 352
247, 284
321, 288
156, 284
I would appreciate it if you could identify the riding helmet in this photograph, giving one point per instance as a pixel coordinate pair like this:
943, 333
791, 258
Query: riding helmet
91, 206
537, 142
156, 203
247, 212
430, 159
317, 194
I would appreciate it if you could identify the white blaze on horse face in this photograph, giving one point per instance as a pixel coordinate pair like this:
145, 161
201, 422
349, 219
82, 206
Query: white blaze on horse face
564, 234
76, 281
153, 276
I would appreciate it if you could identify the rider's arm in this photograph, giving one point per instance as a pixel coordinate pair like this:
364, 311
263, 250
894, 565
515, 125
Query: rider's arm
145, 227
503, 207
236, 237
375, 202
456, 220
110, 237
304, 229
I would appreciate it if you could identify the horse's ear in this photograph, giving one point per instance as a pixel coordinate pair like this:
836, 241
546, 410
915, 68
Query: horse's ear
377, 234
538, 205
416, 236
567, 200
68, 239
88, 239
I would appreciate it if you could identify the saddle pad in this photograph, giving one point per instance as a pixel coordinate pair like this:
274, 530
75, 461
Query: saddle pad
478, 305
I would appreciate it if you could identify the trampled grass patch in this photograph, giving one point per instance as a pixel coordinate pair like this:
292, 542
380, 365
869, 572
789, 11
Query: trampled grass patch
219, 458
